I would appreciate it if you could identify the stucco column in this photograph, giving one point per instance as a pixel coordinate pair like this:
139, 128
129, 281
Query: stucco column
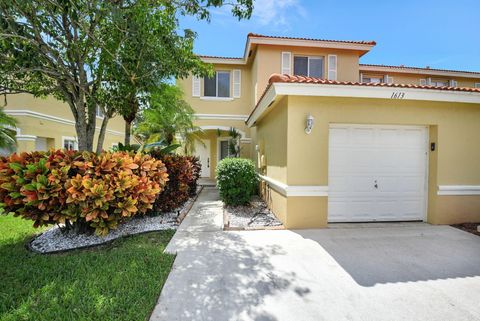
26, 143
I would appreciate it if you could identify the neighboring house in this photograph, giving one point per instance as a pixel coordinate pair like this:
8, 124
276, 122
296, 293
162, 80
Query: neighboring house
340, 141
45, 123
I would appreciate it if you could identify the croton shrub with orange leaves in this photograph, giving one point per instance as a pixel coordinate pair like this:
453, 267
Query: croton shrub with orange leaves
81, 190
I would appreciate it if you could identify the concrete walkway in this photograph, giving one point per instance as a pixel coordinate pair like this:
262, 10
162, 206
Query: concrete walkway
367, 272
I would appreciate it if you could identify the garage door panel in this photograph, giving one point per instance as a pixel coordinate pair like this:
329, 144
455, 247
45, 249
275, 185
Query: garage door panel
391, 157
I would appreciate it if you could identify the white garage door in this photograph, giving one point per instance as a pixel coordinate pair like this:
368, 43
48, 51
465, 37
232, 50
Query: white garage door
377, 173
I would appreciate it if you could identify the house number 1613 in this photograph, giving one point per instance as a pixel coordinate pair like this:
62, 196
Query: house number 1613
398, 95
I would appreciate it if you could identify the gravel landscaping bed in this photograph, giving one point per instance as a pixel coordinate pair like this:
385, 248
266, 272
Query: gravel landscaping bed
256, 215
469, 227
54, 240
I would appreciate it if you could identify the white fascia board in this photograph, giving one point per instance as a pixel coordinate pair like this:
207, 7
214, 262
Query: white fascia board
222, 117
353, 91
224, 61
420, 71
310, 43
263, 104
380, 92
458, 190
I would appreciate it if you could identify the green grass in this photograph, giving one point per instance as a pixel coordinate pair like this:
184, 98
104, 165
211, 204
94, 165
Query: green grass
121, 281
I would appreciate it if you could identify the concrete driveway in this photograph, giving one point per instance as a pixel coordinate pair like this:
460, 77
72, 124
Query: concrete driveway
348, 272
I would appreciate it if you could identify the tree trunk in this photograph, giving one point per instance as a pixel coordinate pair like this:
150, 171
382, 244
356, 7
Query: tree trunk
101, 135
128, 129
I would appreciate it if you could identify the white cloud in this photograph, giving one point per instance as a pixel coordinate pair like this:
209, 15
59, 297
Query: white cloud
276, 12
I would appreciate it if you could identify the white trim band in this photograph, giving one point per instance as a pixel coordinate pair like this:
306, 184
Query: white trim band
222, 117
34, 114
458, 190
353, 91
295, 190
28, 138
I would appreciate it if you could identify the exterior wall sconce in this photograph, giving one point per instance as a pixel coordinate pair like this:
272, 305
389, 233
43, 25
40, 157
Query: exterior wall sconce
309, 124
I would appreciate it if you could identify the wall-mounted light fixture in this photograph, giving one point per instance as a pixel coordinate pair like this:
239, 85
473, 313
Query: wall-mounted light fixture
309, 124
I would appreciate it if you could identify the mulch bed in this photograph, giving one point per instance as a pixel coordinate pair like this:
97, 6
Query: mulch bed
255, 216
468, 227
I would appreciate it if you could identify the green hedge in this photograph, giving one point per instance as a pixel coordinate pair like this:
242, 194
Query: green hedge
237, 180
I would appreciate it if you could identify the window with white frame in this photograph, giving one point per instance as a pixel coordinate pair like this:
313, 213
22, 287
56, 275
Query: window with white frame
477, 85
372, 79
308, 66
100, 112
70, 143
438, 83
218, 85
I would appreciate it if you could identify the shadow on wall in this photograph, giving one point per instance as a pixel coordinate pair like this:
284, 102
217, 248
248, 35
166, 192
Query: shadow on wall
408, 253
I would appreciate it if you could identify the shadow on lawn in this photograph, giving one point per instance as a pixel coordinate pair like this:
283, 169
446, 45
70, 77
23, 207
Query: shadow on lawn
118, 282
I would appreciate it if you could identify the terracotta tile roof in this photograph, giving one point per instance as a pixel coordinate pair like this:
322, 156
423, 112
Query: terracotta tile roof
279, 78
255, 35
418, 68
310, 80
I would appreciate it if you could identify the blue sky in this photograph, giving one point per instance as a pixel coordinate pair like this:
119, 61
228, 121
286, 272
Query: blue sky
439, 34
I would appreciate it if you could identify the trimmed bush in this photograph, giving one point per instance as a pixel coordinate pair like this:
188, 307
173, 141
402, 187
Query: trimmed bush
81, 190
197, 169
177, 190
237, 180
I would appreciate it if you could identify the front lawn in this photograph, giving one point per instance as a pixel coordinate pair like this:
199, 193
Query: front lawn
121, 281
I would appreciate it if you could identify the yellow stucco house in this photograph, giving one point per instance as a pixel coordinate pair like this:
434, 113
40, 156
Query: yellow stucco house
45, 123
340, 141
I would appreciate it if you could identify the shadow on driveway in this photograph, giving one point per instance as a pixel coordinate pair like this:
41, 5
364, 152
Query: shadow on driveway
407, 253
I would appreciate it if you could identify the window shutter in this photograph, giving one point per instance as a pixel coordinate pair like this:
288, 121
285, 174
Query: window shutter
423, 82
237, 80
332, 67
286, 63
453, 83
195, 86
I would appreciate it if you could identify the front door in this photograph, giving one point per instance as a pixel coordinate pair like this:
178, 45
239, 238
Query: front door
203, 152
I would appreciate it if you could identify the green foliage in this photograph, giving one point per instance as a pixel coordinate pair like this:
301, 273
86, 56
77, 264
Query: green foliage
237, 180
168, 116
81, 190
94, 284
7, 131
92, 53
182, 177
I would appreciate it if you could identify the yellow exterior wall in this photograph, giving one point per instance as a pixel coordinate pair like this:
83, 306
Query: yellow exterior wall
54, 129
454, 127
272, 141
268, 59
237, 106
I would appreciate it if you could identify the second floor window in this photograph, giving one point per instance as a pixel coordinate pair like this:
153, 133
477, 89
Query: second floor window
308, 66
218, 85
373, 80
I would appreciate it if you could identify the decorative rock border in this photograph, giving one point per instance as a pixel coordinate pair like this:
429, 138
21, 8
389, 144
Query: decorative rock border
54, 241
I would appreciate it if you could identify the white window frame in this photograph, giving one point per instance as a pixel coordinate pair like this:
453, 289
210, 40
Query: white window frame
308, 64
219, 140
477, 85
216, 97
99, 112
70, 138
